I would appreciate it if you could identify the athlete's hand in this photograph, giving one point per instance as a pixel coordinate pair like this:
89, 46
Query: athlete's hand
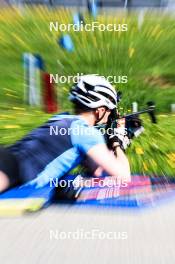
134, 126
119, 136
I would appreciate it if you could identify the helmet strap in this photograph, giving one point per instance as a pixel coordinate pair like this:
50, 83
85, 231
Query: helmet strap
99, 119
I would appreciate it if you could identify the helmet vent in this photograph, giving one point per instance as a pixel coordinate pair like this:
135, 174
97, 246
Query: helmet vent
88, 86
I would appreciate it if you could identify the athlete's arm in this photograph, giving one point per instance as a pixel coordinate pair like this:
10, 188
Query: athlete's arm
114, 166
91, 143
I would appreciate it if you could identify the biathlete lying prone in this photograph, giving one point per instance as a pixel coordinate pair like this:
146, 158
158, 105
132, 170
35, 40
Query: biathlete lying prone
42, 155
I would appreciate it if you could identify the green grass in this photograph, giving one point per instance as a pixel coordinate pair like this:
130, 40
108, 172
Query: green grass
153, 153
139, 54
146, 56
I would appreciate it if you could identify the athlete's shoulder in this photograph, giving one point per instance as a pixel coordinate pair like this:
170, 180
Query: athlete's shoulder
84, 136
64, 115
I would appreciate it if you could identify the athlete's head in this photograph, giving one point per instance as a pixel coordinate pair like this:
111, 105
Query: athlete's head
94, 93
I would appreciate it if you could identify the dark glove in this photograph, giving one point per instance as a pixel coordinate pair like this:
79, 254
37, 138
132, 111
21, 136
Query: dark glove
71, 190
118, 137
116, 134
134, 126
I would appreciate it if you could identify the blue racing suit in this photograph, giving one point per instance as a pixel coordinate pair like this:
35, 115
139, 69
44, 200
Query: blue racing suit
53, 149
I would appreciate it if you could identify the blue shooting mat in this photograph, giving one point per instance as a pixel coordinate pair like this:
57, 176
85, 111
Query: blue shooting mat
137, 196
143, 191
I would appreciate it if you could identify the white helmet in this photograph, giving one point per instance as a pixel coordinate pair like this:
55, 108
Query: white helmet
94, 91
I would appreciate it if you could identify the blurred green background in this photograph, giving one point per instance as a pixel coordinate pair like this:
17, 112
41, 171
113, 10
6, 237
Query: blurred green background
145, 54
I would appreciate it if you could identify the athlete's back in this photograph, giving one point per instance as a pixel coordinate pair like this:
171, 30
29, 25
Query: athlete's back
53, 149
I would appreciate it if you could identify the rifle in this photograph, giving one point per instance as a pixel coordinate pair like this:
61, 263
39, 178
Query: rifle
133, 123
150, 110
130, 122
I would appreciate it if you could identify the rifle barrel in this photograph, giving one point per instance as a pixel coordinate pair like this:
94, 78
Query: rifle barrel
149, 110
